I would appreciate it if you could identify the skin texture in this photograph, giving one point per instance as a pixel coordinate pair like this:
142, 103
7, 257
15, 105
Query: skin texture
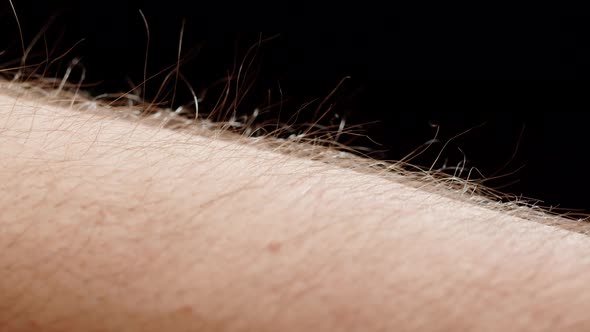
116, 225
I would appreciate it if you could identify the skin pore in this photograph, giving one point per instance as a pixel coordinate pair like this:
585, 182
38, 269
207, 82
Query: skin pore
121, 224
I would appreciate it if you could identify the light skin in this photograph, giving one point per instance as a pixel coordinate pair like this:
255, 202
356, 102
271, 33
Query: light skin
112, 224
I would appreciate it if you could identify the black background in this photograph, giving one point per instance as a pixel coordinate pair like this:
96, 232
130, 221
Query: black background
521, 93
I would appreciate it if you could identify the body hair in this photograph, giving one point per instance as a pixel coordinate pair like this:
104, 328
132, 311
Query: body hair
225, 120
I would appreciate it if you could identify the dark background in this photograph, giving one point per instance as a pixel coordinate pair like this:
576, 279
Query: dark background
521, 93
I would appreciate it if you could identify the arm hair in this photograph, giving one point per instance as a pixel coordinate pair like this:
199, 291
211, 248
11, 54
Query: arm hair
114, 222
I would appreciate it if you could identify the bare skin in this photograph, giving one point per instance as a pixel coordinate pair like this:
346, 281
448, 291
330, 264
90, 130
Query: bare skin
113, 225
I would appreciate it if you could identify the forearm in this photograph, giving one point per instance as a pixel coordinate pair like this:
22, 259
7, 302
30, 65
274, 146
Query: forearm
112, 225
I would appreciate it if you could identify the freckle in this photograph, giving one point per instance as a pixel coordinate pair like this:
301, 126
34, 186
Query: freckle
274, 247
186, 310
34, 324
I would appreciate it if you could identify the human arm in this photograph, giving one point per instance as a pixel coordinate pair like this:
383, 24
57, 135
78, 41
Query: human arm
114, 225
